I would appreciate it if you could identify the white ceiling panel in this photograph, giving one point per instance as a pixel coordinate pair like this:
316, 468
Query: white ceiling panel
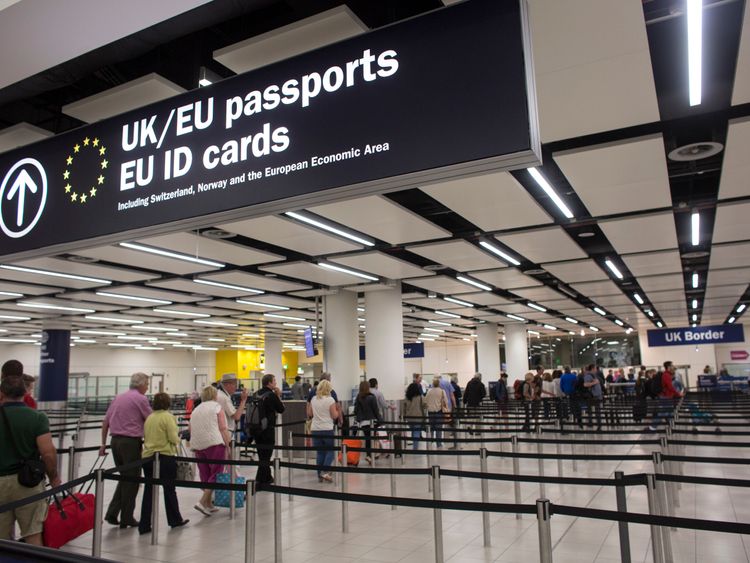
493, 201
662, 282
28, 289
741, 92
730, 255
506, 278
382, 219
735, 169
290, 234
136, 258
612, 300
132, 290
214, 311
616, 178
219, 250
730, 276
653, 263
641, 234
592, 65
78, 304
538, 293
484, 298
313, 273
544, 245
438, 304
91, 270
457, 254
20, 135
443, 284
380, 264
731, 223
14, 276
577, 271
606, 287
135, 94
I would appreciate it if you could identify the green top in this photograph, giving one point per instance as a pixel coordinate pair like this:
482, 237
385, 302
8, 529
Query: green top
26, 424
160, 434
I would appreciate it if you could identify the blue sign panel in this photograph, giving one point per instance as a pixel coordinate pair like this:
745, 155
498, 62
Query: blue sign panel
415, 350
54, 365
688, 336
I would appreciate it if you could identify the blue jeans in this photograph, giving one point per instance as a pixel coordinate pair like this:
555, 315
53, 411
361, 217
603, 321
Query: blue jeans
664, 409
324, 458
416, 434
436, 425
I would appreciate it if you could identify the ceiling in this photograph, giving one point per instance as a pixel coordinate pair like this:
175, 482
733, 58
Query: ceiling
613, 103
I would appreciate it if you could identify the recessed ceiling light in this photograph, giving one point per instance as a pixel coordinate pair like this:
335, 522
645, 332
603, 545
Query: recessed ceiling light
614, 269
214, 323
133, 298
593, 328
550, 327
695, 224
55, 307
10, 294
101, 332
451, 315
695, 317
544, 184
113, 319
586, 234
171, 254
741, 308
441, 323
495, 250
54, 274
434, 329
515, 317
283, 317
731, 320
619, 322
599, 311
695, 280
146, 338
638, 298
658, 323
695, 49
535, 306
571, 320
240, 288
694, 304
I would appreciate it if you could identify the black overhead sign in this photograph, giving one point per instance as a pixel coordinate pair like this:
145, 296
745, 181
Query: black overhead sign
441, 95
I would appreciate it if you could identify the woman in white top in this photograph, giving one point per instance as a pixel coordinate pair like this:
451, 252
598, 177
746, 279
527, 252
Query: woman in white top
548, 393
324, 412
209, 438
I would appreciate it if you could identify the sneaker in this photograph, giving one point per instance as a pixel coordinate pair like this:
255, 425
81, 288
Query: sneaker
327, 477
202, 509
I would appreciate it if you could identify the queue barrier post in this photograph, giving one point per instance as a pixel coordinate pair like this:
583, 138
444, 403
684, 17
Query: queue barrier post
481, 431
290, 459
393, 479
516, 472
96, 544
673, 496
664, 506
543, 516
457, 445
437, 514
540, 451
277, 516
155, 501
344, 505
573, 452
485, 499
657, 547
558, 446
71, 462
429, 457
232, 480
623, 526
250, 516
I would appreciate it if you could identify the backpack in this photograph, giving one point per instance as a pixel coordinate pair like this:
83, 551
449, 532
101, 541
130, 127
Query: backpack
655, 385
581, 390
255, 418
518, 389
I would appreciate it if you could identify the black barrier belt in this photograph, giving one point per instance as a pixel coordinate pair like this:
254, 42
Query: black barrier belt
636, 518
45, 494
131, 465
359, 469
601, 457
181, 484
62, 451
627, 481
709, 433
587, 442
722, 481
719, 460
444, 439
714, 444
397, 501
407, 451
216, 461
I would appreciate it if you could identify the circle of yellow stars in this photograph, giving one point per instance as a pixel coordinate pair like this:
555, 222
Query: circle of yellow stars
78, 194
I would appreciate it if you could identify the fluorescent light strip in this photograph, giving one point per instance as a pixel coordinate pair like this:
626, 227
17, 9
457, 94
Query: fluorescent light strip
594, 328
18, 340
658, 323
544, 184
695, 48
55, 307
85, 341
134, 298
214, 323
146, 338
614, 269
500, 253
121, 344
731, 320
741, 308
148, 348
54, 274
600, 311
628, 331
535, 306
177, 334
571, 320
228, 286
695, 303
158, 328
248, 335
170, 254
695, 281
258, 304
183, 313
458, 301
515, 318
695, 221
295, 325
451, 315
113, 319
695, 317
256, 348
10, 294
102, 332
535, 333
347, 271
434, 329
440, 323
649, 312
550, 327
329, 228
619, 322
283, 317
470, 281
638, 298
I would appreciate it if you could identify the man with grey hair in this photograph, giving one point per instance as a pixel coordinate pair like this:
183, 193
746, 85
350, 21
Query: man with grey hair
124, 419
475, 391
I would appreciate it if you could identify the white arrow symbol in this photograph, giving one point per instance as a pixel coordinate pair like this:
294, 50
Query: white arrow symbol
22, 182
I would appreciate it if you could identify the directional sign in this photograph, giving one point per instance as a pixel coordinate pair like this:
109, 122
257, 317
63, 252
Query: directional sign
739, 355
24, 201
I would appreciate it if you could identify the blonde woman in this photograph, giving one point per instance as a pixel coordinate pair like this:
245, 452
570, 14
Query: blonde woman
209, 438
324, 412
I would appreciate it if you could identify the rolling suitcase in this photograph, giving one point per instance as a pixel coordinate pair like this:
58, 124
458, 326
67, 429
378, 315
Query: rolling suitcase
352, 458
398, 445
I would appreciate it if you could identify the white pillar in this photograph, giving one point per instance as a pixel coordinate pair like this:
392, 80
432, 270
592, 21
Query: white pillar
516, 351
341, 342
384, 341
488, 352
274, 365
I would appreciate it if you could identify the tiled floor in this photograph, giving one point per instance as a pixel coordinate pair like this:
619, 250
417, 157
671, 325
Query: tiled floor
312, 527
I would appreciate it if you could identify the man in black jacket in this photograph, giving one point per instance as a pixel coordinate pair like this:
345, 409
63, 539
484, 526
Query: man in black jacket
475, 391
266, 439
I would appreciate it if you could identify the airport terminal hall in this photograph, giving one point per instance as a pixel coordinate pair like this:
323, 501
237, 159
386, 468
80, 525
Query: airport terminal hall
355, 281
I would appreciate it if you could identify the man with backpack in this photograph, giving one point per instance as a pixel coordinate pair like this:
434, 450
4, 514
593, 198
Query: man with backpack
661, 388
261, 424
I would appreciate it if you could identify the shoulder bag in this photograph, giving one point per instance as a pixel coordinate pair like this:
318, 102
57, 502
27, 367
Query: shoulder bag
31, 471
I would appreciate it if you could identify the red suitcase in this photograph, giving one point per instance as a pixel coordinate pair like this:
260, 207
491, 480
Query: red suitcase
352, 458
68, 518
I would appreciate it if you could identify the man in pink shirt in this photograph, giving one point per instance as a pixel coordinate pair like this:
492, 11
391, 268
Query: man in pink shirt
124, 420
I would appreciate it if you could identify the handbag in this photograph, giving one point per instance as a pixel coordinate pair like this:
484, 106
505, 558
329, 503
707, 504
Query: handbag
221, 496
68, 518
31, 471
185, 469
